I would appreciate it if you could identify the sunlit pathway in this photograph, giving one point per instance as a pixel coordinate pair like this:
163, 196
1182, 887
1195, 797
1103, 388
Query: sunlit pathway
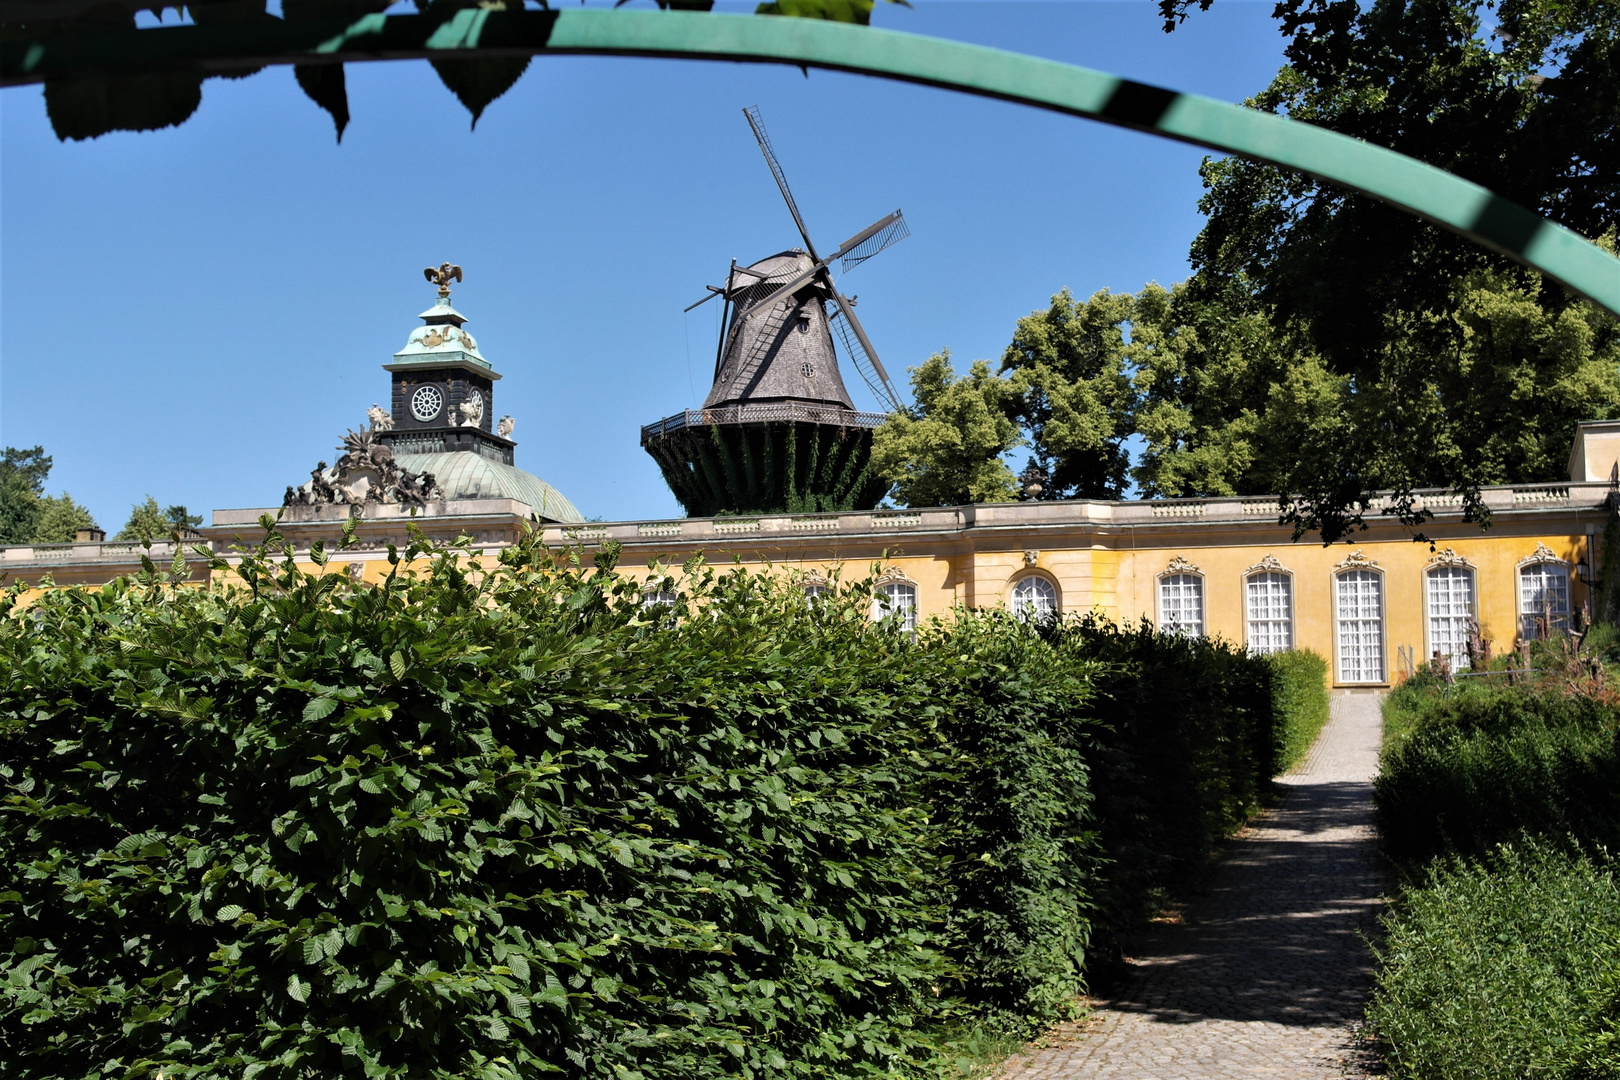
1268, 974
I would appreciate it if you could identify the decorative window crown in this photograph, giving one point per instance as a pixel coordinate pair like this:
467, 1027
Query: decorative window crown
1449, 558
815, 579
1542, 554
1356, 560
1179, 565
1031, 557
892, 574
1267, 565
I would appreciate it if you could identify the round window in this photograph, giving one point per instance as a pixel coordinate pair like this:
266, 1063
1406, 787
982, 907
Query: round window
426, 402
807, 369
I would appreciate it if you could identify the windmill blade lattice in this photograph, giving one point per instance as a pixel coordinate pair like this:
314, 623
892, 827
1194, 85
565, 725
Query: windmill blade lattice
871, 369
888, 237
758, 124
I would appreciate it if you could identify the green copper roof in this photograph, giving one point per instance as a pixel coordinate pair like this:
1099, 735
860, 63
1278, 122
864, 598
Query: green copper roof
462, 474
441, 340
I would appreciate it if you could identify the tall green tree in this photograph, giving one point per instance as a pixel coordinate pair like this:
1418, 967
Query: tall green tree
148, 522
60, 519
1522, 96
1073, 392
22, 482
946, 448
1487, 392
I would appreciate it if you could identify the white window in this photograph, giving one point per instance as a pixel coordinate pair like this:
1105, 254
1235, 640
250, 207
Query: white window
896, 600
1543, 598
1181, 604
1271, 612
1034, 599
1360, 596
1451, 611
811, 592
658, 598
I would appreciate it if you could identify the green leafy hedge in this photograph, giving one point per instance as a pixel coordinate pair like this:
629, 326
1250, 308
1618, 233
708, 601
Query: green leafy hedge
1504, 968
498, 819
1185, 756
1477, 765
1501, 957
1299, 701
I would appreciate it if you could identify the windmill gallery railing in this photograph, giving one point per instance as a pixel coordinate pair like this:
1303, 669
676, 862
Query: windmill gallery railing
1403, 182
787, 412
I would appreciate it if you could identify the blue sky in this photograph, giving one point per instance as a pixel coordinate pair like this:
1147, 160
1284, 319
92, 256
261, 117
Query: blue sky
200, 313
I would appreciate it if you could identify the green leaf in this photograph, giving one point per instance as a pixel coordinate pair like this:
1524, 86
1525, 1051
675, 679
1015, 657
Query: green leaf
319, 709
229, 913
297, 989
846, 11
396, 664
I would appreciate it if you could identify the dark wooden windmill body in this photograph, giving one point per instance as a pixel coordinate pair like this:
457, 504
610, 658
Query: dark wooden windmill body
778, 431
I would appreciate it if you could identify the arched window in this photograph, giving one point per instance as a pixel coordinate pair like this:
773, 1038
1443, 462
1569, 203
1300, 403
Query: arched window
1359, 611
896, 600
1543, 594
1034, 599
1451, 612
811, 592
1269, 595
1181, 604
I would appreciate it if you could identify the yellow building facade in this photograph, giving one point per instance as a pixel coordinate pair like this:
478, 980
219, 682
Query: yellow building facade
1376, 608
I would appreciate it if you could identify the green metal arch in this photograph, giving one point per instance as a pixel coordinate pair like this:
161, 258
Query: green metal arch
1420, 189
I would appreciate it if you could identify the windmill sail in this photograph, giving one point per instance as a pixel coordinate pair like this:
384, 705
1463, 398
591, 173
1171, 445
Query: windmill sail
851, 336
854, 253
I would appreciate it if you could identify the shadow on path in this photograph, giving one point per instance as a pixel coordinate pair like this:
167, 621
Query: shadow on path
1269, 971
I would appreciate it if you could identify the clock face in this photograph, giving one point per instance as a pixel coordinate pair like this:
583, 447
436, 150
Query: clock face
475, 398
426, 402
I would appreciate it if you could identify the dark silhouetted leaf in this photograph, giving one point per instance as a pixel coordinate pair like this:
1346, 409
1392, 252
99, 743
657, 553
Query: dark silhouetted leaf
476, 83
326, 86
88, 108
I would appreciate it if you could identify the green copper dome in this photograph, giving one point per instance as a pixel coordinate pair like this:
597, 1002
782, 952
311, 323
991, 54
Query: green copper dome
461, 474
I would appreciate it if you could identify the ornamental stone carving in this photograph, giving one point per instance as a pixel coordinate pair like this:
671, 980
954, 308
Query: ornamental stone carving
1031, 557
1267, 565
380, 419
891, 575
1449, 558
1179, 565
1356, 560
503, 427
1543, 553
366, 473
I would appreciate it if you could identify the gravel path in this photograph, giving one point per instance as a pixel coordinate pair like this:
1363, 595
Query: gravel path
1267, 975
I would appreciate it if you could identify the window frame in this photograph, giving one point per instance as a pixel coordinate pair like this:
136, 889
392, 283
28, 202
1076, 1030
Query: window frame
908, 616
1259, 570
1034, 575
1543, 556
1458, 660
1191, 573
1341, 572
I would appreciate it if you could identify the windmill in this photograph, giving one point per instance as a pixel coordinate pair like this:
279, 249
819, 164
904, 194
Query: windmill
778, 431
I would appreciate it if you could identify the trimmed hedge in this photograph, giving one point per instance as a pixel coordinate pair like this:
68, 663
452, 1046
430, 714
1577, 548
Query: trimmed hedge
1185, 756
1501, 957
1299, 701
1503, 968
497, 819
1476, 766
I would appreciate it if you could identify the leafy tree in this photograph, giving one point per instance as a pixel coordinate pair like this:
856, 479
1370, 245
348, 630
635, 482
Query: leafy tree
1074, 392
946, 448
60, 518
147, 522
22, 482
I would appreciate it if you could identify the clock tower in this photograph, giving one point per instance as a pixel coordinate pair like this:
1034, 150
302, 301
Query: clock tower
444, 389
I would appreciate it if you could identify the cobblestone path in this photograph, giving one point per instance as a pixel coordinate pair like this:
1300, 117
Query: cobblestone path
1267, 974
